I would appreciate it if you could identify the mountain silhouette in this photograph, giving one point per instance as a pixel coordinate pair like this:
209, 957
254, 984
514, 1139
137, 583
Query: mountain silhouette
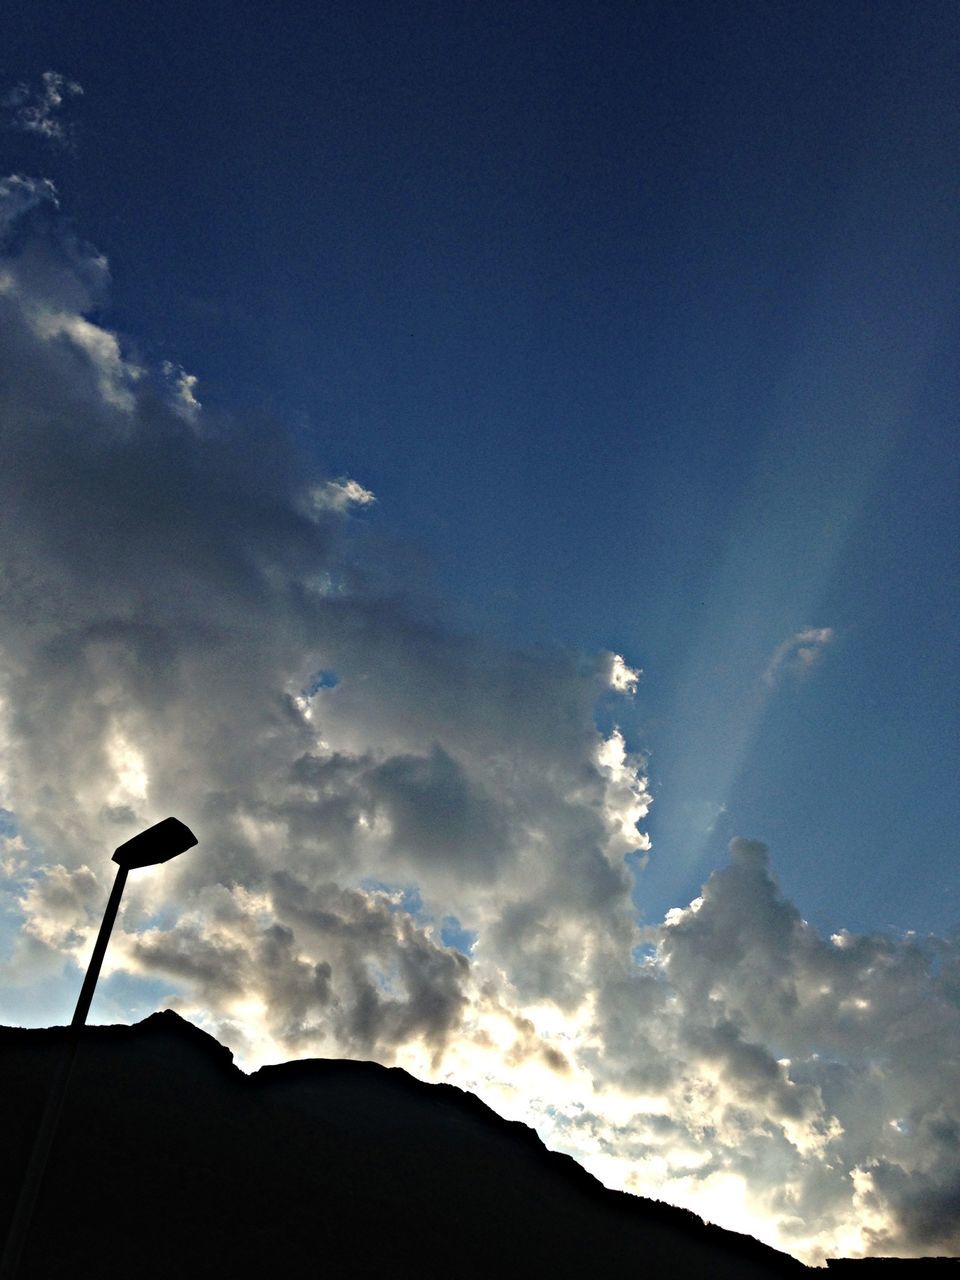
171, 1162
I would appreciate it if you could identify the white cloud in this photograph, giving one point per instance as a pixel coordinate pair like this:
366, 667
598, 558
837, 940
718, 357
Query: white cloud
623, 679
37, 110
20, 194
798, 654
165, 600
339, 495
115, 375
627, 799
183, 386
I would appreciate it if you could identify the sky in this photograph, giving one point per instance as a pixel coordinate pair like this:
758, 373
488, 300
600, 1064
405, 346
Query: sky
492, 471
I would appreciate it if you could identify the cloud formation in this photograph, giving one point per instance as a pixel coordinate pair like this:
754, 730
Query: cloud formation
849, 1046
798, 654
173, 585
37, 111
339, 495
177, 589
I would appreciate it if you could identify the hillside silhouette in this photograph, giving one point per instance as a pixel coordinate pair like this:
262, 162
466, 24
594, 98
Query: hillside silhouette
170, 1161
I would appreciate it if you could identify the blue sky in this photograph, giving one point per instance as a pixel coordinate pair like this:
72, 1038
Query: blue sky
639, 321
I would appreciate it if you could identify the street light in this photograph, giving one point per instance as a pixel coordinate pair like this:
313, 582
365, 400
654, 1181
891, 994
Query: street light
159, 843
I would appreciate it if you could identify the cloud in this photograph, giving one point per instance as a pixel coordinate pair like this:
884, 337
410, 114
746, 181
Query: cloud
172, 583
436, 812
58, 904
184, 385
36, 111
798, 654
814, 1057
382, 981
339, 495
623, 679
171, 587
18, 195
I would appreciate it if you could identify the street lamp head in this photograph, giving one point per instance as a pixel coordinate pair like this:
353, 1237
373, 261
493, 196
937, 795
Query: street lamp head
158, 843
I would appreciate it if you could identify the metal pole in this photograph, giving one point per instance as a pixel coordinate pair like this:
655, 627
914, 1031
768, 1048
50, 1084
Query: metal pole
96, 960
33, 1178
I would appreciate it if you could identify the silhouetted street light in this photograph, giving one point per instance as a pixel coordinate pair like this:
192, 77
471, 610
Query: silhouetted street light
157, 844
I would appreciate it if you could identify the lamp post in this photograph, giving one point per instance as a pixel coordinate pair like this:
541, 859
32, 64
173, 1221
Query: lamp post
157, 844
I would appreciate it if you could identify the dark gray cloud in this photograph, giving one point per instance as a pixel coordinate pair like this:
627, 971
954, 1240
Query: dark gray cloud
382, 981
436, 812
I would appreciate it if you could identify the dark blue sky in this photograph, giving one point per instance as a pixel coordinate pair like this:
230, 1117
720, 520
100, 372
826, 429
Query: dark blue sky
640, 321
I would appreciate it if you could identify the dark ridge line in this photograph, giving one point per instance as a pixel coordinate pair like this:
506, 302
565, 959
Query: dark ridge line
302, 1074
306, 1071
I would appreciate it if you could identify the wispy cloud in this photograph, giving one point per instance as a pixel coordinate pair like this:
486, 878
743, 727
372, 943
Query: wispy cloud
339, 495
797, 655
20, 194
37, 110
184, 386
